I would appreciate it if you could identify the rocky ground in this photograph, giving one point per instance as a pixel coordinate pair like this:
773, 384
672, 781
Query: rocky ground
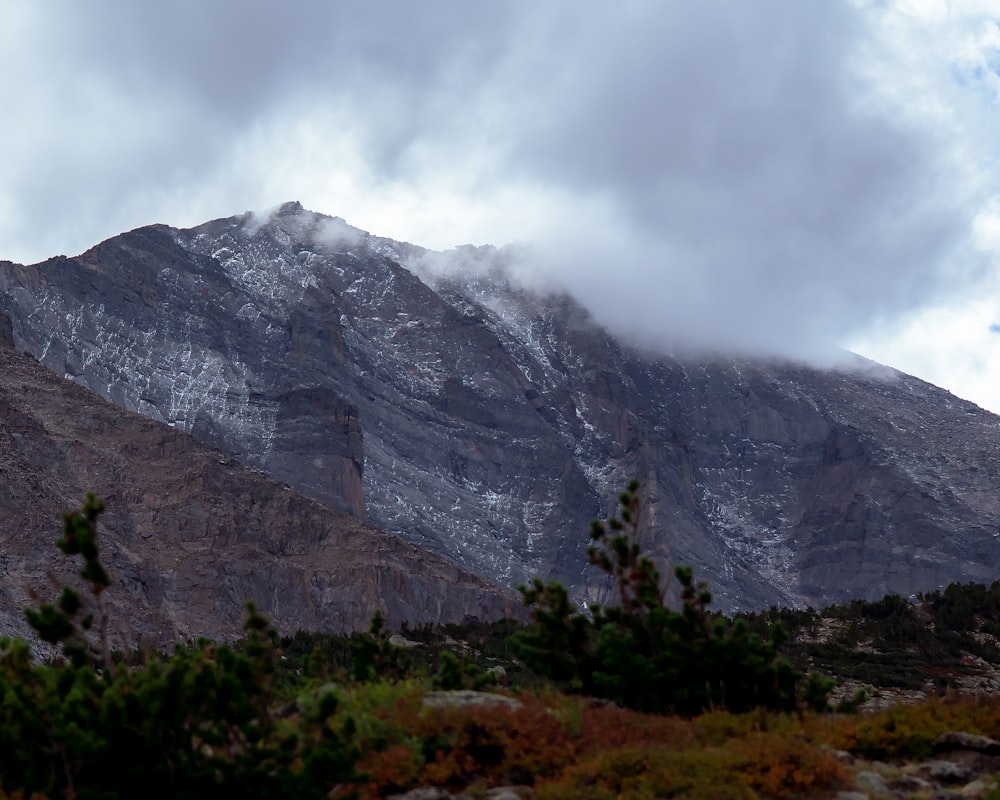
964, 766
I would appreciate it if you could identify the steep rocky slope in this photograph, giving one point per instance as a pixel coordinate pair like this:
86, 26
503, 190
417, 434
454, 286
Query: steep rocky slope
490, 425
190, 533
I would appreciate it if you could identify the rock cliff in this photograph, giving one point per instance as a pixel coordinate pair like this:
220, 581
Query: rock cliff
489, 425
190, 533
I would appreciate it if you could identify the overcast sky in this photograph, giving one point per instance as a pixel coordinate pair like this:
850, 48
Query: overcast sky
772, 176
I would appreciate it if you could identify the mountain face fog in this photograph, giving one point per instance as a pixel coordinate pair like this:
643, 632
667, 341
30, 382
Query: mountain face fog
777, 178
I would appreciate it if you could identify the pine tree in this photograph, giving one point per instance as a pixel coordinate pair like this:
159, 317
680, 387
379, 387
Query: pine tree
640, 652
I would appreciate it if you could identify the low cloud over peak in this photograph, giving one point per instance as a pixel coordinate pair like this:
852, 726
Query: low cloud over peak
772, 177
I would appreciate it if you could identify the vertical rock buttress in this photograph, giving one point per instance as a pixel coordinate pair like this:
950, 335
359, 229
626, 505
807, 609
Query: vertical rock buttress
318, 447
6, 332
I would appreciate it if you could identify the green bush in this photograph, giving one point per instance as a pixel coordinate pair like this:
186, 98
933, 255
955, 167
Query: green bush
374, 657
69, 621
645, 655
182, 726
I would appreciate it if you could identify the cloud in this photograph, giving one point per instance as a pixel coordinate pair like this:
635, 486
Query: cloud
955, 343
129, 113
738, 181
769, 177
337, 234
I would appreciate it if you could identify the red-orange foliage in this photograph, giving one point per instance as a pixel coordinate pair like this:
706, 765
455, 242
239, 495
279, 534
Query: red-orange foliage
563, 747
782, 766
456, 747
907, 731
624, 728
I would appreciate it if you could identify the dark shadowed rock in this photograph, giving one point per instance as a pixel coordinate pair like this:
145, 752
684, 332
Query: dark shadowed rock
961, 740
6, 332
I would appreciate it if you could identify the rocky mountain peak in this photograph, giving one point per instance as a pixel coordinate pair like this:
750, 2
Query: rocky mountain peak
289, 208
488, 424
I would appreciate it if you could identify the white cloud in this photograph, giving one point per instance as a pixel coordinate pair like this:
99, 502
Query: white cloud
953, 345
776, 175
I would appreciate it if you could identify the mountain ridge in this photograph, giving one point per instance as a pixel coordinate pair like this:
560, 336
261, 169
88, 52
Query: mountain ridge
489, 424
190, 534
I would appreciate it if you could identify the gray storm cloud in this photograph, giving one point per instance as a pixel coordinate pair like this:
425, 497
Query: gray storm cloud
718, 174
759, 198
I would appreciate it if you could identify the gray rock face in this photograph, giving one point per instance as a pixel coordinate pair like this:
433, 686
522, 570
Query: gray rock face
6, 332
490, 425
190, 534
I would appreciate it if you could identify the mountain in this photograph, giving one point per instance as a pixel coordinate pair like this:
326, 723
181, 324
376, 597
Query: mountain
189, 533
488, 424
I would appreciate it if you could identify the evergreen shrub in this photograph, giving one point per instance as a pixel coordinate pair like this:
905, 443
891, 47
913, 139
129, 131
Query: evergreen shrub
645, 655
202, 722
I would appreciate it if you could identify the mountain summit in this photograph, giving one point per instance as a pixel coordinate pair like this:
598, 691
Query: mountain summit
489, 425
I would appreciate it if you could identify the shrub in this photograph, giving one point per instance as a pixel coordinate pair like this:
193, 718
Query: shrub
649, 772
180, 727
408, 745
374, 657
759, 765
69, 621
643, 654
907, 731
